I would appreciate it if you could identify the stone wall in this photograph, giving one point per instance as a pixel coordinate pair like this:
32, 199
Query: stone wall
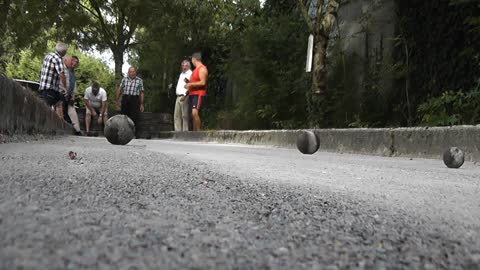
22, 112
151, 124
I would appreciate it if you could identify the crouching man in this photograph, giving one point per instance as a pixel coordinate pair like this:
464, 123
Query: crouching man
96, 106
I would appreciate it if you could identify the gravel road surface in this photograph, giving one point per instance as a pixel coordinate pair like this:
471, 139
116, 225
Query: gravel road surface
176, 205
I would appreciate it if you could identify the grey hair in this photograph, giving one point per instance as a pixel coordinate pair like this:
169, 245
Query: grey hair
186, 62
61, 47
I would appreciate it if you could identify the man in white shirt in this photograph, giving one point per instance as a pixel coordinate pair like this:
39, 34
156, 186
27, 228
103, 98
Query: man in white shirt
181, 114
96, 105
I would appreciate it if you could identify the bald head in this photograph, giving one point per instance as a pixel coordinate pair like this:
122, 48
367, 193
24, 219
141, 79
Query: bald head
196, 58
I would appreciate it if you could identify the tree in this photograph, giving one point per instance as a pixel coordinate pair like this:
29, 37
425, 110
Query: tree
177, 30
106, 25
24, 24
320, 27
265, 70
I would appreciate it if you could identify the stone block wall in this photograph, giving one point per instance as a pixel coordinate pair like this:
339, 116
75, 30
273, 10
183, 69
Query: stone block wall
22, 112
151, 124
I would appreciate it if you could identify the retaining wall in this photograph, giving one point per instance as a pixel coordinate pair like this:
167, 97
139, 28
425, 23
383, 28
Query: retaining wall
22, 112
151, 124
424, 142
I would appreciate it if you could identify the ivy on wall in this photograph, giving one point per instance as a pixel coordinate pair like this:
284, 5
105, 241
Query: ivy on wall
444, 51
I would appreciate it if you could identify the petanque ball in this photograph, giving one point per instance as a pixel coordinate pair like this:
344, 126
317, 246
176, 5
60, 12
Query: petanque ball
453, 158
307, 142
119, 129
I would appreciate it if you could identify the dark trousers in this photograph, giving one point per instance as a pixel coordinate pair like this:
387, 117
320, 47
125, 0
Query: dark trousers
131, 108
52, 97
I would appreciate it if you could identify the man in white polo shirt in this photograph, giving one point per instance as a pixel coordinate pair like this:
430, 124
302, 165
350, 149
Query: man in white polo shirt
181, 114
96, 105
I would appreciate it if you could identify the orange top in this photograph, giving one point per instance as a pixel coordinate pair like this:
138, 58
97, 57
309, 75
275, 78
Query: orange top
201, 90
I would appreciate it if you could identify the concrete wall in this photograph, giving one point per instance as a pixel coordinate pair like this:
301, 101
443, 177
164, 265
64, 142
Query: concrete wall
410, 142
23, 113
362, 45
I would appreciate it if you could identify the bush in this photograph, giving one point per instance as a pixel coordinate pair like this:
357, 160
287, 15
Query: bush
452, 108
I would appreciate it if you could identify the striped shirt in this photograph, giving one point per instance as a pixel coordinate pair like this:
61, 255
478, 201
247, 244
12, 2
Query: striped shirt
131, 86
52, 67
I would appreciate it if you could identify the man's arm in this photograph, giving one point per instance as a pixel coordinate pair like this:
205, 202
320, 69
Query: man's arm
63, 80
72, 97
141, 89
89, 106
142, 107
104, 108
60, 68
104, 102
118, 94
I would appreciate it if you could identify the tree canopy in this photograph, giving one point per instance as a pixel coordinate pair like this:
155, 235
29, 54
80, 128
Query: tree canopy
256, 52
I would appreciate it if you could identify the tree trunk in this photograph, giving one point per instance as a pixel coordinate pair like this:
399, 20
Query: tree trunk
321, 28
118, 58
319, 67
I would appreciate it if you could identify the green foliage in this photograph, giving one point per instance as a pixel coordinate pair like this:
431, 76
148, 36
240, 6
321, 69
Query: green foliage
24, 24
105, 25
444, 110
256, 59
90, 69
270, 74
27, 68
445, 53
452, 108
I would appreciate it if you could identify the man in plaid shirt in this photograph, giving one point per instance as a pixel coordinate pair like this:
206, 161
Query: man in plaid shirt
52, 73
131, 92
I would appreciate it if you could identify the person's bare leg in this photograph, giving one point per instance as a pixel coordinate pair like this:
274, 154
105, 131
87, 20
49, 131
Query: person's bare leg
88, 121
59, 109
185, 115
72, 113
105, 118
177, 115
196, 120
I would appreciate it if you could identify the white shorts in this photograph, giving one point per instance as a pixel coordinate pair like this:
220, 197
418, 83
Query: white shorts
97, 109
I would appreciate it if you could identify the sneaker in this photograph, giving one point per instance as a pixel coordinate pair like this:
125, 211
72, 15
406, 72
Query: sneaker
78, 133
